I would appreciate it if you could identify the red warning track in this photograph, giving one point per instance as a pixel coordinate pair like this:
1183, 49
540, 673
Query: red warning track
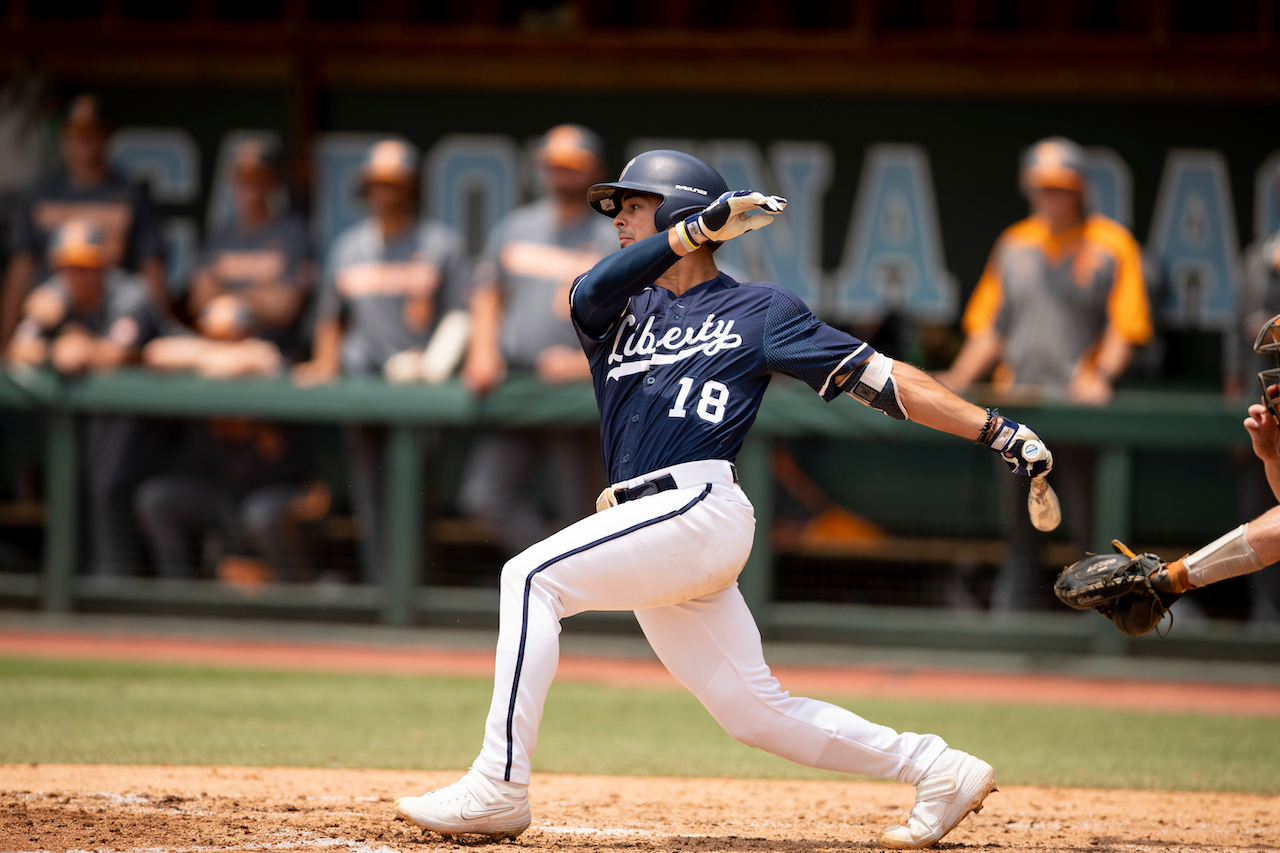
879, 681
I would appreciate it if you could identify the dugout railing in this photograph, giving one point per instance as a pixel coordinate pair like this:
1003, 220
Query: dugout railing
1132, 420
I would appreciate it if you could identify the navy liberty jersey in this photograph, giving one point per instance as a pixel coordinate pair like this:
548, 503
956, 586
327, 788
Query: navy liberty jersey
680, 378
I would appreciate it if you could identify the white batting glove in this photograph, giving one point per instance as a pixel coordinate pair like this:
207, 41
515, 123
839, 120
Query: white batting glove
1018, 445
729, 216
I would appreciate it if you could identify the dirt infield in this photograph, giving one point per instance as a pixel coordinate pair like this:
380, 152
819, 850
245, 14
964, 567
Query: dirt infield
889, 682
197, 809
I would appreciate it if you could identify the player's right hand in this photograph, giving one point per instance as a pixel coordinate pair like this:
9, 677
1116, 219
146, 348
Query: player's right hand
731, 215
1021, 449
309, 374
484, 369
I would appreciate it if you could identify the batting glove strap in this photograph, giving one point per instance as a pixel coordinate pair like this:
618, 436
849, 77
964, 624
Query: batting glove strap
1019, 446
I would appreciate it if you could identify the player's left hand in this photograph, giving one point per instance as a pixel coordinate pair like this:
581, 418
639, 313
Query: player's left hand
1021, 449
731, 215
72, 352
1263, 432
560, 365
1089, 389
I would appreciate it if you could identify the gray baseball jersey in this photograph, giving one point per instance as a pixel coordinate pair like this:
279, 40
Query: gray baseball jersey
391, 293
1050, 297
125, 315
240, 258
534, 259
122, 210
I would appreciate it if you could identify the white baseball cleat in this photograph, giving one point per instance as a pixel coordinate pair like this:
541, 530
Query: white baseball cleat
955, 785
476, 804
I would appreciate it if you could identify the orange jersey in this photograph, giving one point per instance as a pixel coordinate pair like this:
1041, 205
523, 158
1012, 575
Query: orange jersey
1051, 297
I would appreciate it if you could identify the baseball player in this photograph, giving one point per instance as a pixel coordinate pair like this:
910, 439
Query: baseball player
90, 316
261, 258
87, 189
1135, 591
388, 279
1059, 308
520, 319
680, 358
1256, 303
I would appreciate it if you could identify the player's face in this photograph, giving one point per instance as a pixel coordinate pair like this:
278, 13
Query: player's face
386, 198
569, 183
1061, 208
635, 220
252, 195
83, 151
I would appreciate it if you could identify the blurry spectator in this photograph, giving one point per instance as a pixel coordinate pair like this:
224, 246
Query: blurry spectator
520, 319
244, 480
91, 317
261, 256
1258, 302
87, 189
28, 148
1060, 307
387, 281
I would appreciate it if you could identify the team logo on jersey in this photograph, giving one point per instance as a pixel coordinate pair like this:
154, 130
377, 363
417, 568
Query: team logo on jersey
636, 349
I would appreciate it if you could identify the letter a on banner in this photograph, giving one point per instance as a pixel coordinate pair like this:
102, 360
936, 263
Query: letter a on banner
789, 250
169, 161
893, 254
1266, 198
1193, 240
470, 182
1110, 185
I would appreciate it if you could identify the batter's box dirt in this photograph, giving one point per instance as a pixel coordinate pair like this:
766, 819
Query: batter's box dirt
202, 809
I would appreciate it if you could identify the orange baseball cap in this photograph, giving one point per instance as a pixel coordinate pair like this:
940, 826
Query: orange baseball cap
78, 243
572, 146
390, 161
1055, 162
256, 159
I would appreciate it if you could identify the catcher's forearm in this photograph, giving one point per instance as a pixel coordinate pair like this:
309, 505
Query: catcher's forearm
1225, 557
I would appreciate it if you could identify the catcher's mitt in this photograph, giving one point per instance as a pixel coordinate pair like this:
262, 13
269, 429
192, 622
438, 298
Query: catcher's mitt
1119, 587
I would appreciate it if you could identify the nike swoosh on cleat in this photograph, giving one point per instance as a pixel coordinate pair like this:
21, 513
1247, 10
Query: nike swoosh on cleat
466, 814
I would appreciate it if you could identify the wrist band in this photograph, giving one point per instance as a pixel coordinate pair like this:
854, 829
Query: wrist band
985, 434
682, 231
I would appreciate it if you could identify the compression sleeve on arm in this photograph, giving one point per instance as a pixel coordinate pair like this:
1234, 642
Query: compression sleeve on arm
601, 293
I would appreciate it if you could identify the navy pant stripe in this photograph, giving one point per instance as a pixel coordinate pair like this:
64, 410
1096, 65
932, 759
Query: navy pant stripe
528, 587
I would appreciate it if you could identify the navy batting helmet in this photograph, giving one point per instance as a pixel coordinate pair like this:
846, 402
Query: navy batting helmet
686, 184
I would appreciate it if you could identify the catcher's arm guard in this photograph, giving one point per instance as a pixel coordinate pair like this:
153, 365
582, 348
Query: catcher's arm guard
1120, 587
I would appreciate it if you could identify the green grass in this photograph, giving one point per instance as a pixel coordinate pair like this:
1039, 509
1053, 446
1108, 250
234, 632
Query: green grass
144, 714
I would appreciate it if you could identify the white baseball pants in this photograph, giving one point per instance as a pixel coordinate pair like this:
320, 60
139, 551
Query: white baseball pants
673, 558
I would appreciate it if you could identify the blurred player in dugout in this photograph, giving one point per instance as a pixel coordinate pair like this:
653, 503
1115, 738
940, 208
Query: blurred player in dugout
387, 282
92, 316
86, 189
245, 481
520, 321
1058, 312
1257, 302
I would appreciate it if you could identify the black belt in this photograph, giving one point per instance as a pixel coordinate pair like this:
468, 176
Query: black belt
665, 483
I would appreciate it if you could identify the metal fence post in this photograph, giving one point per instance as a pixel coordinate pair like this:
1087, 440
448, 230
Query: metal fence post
61, 516
1112, 489
756, 580
405, 485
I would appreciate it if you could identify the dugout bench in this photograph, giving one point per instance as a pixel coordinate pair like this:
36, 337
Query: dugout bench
1134, 419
